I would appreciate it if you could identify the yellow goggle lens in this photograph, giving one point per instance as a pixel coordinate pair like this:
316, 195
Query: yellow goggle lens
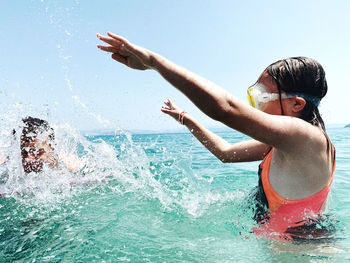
251, 97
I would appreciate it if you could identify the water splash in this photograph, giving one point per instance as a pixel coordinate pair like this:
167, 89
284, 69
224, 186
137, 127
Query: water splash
115, 163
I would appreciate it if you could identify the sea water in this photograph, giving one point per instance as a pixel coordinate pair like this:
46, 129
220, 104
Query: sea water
150, 198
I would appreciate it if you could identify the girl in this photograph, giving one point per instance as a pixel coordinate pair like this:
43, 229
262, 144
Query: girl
283, 120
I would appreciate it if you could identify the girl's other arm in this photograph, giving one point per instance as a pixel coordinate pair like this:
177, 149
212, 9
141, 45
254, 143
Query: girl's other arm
245, 151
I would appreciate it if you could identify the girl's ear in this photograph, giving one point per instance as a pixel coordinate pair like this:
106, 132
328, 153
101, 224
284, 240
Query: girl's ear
299, 104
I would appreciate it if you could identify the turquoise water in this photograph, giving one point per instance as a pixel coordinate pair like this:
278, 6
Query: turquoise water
151, 198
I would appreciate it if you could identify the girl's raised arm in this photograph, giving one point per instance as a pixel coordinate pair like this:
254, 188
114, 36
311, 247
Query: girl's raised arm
282, 132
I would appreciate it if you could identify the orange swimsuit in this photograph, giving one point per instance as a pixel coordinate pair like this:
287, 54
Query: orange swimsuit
285, 213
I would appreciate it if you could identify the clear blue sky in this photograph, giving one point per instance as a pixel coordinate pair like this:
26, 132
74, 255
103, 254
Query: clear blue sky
50, 63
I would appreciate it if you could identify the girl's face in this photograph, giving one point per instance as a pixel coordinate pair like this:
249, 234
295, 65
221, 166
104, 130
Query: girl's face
274, 106
35, 153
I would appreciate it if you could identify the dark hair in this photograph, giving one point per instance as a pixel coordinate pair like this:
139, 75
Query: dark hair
31, 129
302, 75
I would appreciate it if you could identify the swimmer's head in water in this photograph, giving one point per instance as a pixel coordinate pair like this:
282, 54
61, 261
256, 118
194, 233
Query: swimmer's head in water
301, 75
37, 141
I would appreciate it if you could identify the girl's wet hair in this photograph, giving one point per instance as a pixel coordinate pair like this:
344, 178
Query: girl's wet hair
302, 75
33, 127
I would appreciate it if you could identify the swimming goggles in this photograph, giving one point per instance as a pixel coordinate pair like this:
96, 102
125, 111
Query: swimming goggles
257, 95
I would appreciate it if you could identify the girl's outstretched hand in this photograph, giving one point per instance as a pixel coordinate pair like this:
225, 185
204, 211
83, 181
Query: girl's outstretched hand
124, 52
171, 109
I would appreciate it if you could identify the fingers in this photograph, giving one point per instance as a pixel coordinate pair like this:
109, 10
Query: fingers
165, 110
117, 45
172, 105
116, 37
109, 48
119, 58
167, 106
170, 108
112, 41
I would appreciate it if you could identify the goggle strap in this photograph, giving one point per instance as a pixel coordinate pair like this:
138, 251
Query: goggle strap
313, 99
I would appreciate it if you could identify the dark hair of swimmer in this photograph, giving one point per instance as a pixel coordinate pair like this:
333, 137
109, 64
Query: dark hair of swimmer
303, 75
30, 150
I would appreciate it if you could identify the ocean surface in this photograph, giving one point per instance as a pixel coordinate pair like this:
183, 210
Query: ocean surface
151, 198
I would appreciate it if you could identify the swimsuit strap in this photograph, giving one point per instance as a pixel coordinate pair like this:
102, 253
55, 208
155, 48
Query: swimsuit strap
275, 200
